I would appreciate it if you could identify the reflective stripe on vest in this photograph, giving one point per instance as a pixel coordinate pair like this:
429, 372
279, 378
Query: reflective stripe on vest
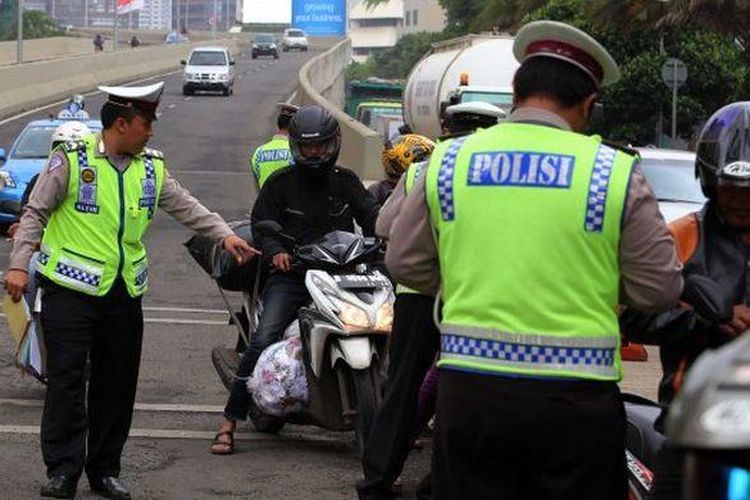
528, 222
95, 236
270, 157
462, 346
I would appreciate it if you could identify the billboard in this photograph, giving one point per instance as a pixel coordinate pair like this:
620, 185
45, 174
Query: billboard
265, 12
320, 17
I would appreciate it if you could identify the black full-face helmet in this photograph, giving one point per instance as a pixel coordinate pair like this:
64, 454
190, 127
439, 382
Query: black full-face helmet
311, 126
723, 153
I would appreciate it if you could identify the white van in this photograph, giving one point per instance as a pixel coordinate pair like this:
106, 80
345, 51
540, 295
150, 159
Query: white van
208, 68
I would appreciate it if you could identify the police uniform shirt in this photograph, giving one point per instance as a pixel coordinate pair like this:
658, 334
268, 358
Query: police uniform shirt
52, 187
650, 270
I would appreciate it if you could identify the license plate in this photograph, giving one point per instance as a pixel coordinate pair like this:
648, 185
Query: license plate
361, 281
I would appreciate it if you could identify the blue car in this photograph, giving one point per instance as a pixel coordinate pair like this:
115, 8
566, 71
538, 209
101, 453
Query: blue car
26, 158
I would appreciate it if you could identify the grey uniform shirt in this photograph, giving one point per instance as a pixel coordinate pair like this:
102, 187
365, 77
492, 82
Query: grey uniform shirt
52, 188
650, 272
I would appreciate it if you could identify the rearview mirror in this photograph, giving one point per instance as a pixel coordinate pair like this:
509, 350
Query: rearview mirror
183, 62
708, 299
2, 156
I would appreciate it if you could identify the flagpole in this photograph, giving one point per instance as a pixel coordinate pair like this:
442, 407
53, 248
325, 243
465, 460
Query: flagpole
114, 36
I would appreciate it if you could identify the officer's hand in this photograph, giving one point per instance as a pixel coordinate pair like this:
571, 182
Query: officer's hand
239, 249
282, 262
16, 282
12, 229
740, 321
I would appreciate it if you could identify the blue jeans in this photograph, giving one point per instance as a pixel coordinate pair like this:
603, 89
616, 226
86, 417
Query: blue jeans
282, 297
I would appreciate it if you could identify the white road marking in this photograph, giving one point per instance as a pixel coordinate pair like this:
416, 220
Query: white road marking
188, 98
292, 97
171, 106
57, 103
149, 407
184, 309
191, 435
178, 321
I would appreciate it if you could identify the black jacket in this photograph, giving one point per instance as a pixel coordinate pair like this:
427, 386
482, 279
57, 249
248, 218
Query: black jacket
716, 252
309, 205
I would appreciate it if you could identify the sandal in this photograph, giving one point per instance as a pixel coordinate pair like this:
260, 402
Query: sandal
226, 446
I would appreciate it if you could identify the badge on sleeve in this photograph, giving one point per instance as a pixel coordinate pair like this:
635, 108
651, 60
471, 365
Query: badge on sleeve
55, 162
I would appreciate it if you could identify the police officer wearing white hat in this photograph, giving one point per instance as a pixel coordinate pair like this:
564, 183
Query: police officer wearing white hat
90, 208
534, 233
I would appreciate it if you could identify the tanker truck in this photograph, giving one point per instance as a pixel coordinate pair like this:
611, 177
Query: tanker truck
467, 69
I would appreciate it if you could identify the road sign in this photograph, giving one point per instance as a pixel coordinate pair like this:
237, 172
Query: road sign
674, 71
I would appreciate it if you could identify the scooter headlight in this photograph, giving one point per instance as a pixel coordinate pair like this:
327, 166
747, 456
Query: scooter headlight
353, 317
384, 317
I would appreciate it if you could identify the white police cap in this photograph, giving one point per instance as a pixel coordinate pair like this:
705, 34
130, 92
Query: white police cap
144, 99
564, 42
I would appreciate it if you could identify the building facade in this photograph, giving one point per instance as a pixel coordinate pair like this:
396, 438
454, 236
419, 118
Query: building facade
375, 28
155, 15
423, 15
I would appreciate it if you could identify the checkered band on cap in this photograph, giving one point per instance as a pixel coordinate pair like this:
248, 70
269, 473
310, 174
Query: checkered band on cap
598, 186
538, 355
141, 278
78, 274
445, 179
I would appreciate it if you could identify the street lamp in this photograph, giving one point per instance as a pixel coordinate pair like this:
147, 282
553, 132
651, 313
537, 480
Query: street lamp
114, 35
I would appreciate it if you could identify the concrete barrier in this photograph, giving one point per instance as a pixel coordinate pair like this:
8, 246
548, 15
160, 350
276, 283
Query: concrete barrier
322, 82
46, 48
25, 86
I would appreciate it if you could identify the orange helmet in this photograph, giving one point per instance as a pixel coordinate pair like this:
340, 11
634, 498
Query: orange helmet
407, 149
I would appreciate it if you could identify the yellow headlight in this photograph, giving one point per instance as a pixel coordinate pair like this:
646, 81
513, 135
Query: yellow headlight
384, 317
353, 316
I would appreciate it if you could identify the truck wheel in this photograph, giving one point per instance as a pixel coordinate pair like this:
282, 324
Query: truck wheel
267, 424
255, 56
367, 396
225, 91
187, 91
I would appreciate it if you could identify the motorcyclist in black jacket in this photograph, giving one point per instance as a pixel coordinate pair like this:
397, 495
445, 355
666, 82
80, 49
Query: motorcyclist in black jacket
309, 200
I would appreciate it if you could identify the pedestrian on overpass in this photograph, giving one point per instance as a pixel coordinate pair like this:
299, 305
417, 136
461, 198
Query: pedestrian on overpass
91, 208
534, 233
274, 155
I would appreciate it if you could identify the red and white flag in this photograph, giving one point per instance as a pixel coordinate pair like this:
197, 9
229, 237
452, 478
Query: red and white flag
125, 6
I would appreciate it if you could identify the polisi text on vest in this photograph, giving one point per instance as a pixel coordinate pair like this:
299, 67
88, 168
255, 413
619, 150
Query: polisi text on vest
518, 168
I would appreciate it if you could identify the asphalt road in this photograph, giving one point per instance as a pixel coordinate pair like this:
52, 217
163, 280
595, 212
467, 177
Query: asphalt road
207, 140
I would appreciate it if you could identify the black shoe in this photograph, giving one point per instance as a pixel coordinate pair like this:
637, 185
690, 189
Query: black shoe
226, 362
59, 487
110, 487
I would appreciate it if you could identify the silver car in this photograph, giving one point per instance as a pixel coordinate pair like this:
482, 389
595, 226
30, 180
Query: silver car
671, 174
294, 39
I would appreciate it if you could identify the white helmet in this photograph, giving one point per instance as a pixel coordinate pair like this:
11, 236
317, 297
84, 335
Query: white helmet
69, 131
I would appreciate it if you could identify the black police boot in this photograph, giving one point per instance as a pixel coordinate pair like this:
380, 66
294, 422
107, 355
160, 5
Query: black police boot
59, 487
110, 487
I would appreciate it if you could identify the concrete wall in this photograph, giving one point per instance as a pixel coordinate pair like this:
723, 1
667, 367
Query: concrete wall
47, 48
321, 82
27, 85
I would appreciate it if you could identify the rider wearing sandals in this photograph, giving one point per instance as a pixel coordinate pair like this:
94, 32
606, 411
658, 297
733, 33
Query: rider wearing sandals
308, 200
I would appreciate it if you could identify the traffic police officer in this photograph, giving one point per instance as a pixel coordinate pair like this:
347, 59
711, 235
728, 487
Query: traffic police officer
91, 207
274, 155
540, 232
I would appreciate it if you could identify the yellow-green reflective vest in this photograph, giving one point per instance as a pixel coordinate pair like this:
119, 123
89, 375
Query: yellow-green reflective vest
412, 175
95, 235
270, 157
528, 225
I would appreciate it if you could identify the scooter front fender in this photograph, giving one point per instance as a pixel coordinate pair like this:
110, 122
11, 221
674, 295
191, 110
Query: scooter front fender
357, 352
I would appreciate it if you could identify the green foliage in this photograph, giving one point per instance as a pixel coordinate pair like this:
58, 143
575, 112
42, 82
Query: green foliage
716, 69
36, 24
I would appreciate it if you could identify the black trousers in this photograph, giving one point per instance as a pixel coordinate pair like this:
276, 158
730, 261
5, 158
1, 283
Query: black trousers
414, 341
515, 438
79, 428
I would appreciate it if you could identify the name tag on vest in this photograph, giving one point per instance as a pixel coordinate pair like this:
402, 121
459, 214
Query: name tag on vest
273, 155
517, 168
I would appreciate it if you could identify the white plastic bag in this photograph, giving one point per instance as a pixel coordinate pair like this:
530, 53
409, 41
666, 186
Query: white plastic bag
278, 384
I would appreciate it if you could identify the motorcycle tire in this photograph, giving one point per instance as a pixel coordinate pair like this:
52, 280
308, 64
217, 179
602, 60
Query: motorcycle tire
367, 396
267, 424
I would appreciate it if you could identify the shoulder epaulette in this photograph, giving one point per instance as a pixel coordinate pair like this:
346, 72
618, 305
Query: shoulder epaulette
153, 153
621, 147
70, 146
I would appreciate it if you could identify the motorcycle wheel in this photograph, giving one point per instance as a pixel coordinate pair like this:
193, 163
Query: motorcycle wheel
366, 395
267, 424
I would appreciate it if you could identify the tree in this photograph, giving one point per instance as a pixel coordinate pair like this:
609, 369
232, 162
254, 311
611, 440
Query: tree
36, 24
632, 105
